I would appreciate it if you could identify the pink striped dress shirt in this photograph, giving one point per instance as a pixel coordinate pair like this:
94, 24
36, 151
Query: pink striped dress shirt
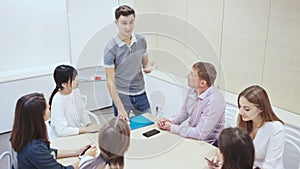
205, 114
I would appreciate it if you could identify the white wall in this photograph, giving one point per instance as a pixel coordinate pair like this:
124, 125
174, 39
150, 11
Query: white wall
34, 36
13, 90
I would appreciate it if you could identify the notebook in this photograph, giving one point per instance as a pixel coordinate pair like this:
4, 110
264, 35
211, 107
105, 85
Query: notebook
139, 121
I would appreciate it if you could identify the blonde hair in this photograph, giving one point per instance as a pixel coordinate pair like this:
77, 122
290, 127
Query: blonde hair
113, 140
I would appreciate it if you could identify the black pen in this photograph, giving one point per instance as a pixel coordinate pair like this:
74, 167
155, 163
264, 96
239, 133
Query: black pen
211, 162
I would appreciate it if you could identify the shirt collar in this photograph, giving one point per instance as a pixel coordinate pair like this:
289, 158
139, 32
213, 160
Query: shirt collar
122, 43
206, 93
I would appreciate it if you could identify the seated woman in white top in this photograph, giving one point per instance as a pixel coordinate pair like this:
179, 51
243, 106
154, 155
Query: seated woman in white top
65, 120
265, 128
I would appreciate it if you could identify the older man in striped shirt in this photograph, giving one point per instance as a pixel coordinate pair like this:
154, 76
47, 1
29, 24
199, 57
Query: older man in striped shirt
204, 107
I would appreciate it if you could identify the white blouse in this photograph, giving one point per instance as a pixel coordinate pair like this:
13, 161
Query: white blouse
269, 146
65, 119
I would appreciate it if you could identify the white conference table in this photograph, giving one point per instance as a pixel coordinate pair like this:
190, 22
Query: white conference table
164, 150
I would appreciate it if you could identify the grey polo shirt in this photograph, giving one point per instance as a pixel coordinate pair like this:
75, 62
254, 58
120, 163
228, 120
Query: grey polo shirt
127, 61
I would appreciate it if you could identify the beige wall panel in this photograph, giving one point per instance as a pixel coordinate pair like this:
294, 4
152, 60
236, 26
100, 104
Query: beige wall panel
171, 36
172, 27
171, 64
172, 7
171, 45
145, 6
243, 46
282, 65
191, 57
199, 46
146, 24
207, 17
151, 41
169, 54
152, 47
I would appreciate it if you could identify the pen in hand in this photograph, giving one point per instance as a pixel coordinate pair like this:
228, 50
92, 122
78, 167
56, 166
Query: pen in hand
211, 162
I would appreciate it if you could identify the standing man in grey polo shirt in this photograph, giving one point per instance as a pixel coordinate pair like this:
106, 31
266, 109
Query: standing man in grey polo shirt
125, 57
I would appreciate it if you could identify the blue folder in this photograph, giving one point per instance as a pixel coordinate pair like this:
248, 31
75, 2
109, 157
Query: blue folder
139, 121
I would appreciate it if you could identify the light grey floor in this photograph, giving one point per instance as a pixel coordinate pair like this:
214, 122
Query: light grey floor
103, 115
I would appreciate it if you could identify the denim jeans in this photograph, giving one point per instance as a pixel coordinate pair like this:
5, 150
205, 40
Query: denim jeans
138, 104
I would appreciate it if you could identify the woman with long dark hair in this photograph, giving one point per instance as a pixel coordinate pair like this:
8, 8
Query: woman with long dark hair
237, 149
29, 136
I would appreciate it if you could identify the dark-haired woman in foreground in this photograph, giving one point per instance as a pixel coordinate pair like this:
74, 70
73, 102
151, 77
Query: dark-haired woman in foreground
236, 149
29, 137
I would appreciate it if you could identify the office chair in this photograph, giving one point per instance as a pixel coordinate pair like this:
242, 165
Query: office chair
291, 155
84, 98
9, 158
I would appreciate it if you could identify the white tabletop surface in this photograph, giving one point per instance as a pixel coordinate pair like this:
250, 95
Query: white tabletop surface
164, 150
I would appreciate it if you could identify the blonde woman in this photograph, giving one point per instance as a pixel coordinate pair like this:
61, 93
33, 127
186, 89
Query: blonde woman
113, 140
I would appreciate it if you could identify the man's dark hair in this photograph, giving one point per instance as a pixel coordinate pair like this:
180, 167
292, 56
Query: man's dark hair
124, 10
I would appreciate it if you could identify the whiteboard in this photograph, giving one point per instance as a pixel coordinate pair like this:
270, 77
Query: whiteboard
86, 19
34, 37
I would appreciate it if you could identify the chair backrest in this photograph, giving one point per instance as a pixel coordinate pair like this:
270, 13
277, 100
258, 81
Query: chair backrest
291, 155
51, 135
9, 158
14, 158
84, 99
231, 113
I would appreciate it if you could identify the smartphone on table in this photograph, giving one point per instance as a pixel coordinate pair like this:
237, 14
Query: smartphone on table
151, 133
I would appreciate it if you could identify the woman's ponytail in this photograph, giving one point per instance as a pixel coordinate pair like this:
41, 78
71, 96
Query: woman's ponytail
52, 95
